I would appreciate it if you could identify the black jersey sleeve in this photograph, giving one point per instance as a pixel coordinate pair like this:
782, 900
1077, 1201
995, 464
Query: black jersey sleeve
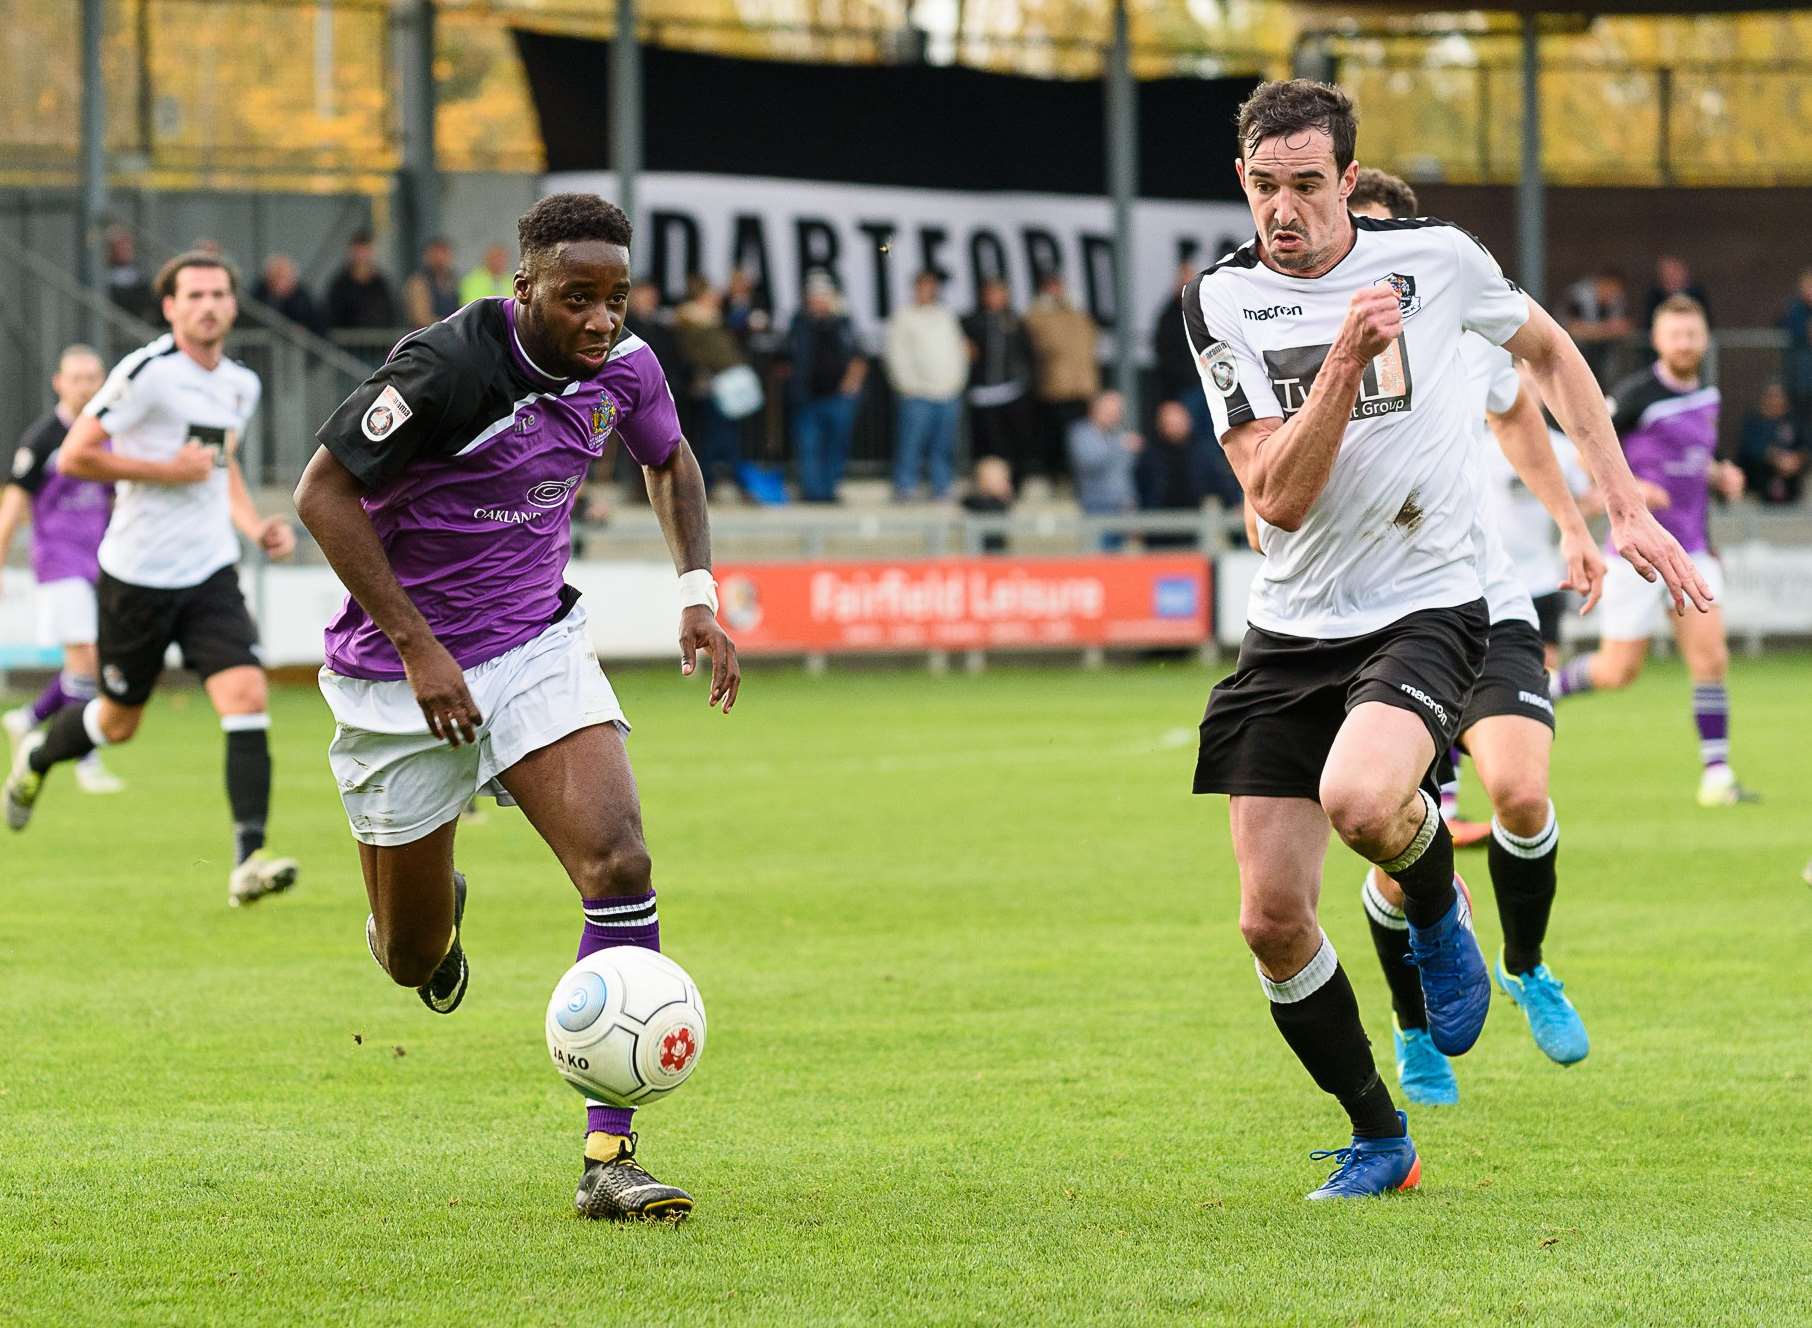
31, 462
411, 407
1628, 399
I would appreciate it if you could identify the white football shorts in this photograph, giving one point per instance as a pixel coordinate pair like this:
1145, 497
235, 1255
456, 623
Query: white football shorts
400, 783
1632, 609
67, 614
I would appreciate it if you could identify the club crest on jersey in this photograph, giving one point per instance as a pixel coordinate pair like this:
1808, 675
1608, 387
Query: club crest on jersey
603, 420
383, 415
1217, 362
1408, 302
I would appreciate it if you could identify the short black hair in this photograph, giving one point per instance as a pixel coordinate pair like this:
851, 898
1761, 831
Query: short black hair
165, 284
1376, 186
1289, 106
564, 219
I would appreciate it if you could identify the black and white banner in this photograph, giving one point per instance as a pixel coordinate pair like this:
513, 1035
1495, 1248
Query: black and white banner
874, 239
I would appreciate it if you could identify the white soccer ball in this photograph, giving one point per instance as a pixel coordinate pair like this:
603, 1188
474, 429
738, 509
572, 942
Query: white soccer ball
625, 1026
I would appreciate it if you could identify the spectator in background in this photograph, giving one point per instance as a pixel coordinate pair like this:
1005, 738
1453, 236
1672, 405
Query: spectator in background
280, 287
127, 285
1178, 379
432, 291
1173, 473
495, 275
1064, 349
1000, 378
928, 364
1103, 452
991, 494
1673, 277
1771, 450
711, 349
1596, 311
1796, 365
360, 296
746, 310
825, 385
650, 322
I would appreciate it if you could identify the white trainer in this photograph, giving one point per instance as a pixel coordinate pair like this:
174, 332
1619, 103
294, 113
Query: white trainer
258, 876
91, 776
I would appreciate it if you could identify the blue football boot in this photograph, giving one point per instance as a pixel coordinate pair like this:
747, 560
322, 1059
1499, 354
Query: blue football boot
1370, 1167
1555, 1024
1455, 985
1425, 1074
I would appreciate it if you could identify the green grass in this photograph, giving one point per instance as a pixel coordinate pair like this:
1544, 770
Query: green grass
985, 1044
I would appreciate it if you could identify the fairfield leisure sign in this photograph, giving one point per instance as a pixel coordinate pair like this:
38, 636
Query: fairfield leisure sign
967, 604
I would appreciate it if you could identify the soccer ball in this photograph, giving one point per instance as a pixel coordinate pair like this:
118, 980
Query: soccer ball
625, 1026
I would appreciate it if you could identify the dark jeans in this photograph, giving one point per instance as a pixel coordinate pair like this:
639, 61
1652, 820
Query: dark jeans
927, 439
822, 427
1004, 432
719, 444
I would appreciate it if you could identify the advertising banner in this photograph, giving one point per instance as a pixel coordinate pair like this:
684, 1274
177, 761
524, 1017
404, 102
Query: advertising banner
992, 603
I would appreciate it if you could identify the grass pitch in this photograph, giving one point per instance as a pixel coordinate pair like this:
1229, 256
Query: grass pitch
985, 1045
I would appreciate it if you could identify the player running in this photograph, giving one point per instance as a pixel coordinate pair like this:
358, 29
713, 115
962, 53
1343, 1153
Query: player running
1506, 726
461, 662
1667, 418
1329, 354
175, 411
68, 517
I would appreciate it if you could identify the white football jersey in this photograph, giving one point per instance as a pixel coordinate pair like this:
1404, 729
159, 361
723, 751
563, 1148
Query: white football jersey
1519, 521
1495, 388
155, 400
1395, 529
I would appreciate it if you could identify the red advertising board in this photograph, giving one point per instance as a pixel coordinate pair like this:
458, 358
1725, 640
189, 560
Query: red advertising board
966, 603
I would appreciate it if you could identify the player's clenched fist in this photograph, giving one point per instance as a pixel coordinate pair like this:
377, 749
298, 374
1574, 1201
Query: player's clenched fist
1373, 321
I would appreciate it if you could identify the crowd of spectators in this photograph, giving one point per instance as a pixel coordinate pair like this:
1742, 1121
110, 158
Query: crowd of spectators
1023, 387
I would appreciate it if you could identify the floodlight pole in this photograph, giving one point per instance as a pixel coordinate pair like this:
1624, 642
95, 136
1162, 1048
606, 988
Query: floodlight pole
1123, 183
626, 107
1531, 200
420, 176
94, 148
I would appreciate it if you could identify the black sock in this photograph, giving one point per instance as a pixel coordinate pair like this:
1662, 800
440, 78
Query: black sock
248, 784
1425, 868
1319, 1017
1390, 938
1522, 875
67, 739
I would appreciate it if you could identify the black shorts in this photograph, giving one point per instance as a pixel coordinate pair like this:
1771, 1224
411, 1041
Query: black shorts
1549, 609
1270, 726
1514, 680
139, 623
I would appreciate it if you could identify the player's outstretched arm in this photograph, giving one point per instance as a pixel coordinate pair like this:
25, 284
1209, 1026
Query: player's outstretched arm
1572, 394
676, 491
272, 533
84, 455
15, 510
1522, 435
1284, 467
327, 501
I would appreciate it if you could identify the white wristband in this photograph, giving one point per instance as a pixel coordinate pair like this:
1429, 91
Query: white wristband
698, 587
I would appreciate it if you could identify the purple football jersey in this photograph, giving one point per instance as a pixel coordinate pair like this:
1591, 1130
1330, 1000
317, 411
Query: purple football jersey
471, 457
1671, 438
68, 515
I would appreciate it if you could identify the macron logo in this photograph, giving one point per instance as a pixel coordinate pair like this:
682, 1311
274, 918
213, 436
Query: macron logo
1272, 311
1440, 711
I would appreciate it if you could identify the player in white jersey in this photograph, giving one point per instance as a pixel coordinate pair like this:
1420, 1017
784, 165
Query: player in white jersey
1526, 530
1507, 725
1329, 350
175, 411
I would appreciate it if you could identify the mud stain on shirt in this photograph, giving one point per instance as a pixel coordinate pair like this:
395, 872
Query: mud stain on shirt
1409, 516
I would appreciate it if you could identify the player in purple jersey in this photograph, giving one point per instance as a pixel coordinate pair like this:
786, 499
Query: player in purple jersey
442, 494
68, 517
1667, 418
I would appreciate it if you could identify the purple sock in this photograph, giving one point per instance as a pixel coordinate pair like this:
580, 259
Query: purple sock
52, 699
1711, 712
622, 920
1574, 676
